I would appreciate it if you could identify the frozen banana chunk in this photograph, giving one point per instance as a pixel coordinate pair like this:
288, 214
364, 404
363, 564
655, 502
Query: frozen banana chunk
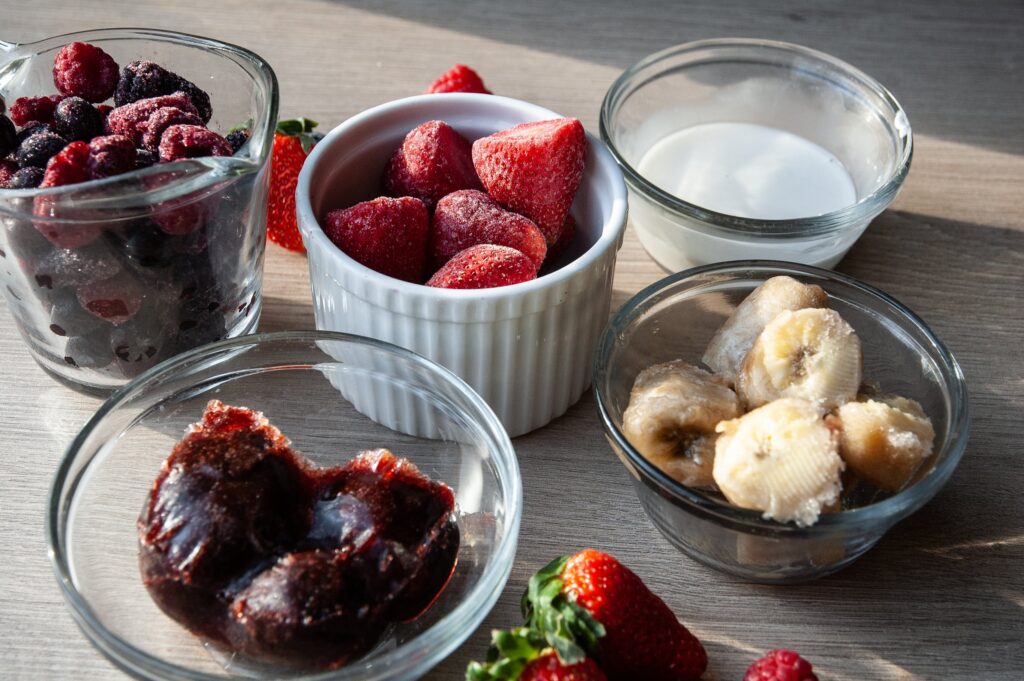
884, 439
781, 459
810, 354
734, 339
671, 418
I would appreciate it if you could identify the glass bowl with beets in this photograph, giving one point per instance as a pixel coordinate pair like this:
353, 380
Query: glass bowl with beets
133, 182
303, 573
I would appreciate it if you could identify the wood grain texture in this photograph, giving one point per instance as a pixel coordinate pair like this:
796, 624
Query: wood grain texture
942, 596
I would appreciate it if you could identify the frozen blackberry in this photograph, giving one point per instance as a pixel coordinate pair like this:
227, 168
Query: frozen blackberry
8, 136
39, 109
144, 79
163, 118
35, 150
77, 119
111, 155
191, 141
144, 158
26, 178
86, 71
236, 138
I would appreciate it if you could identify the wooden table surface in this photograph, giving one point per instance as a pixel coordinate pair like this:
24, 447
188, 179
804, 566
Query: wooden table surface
942, 596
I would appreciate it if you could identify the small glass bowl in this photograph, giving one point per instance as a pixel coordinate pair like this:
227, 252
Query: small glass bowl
174, 251
675, 318
773, 84
294, 378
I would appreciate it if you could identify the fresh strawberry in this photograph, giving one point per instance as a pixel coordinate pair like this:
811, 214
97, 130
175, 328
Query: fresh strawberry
293, 141
387, 235
781, 665
432, 162
459, 78
522, 654
534, 169
469, 217
574, 599
484, 266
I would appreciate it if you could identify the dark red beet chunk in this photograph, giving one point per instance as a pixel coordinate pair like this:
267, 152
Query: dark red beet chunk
86, 71
248, 545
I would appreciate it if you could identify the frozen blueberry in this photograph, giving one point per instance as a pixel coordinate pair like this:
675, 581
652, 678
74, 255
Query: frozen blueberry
73, 267
77, 119
91, 351
67, 318
26, 178
36, 149
8, 136
144, 158
140, 343
236, 138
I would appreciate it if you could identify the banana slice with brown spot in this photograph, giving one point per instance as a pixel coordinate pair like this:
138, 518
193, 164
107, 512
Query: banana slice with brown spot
671, 418
884, 439
733, 340
810, 354
781, 459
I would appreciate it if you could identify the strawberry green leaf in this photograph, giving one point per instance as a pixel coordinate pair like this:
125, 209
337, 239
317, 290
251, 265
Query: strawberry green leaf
508, 655
566, 626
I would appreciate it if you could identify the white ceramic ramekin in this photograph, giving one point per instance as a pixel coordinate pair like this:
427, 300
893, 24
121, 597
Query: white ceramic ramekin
526, 349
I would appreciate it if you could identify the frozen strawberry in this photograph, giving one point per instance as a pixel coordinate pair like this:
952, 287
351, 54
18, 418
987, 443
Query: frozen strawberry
432, 162
131, 120
469, 217
293, 140
191, 141
69, 166
387, 235
534, 169
86, 71
163, 118
484, 266
459, 78
39, 109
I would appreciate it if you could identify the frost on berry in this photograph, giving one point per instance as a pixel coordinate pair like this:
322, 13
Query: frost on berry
86, 71
76, 119
191, 141
145, 79
131, 120
39, 109
110, 155
163, 118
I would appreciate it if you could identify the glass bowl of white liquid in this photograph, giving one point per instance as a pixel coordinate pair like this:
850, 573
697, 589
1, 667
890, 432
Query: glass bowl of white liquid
753, 149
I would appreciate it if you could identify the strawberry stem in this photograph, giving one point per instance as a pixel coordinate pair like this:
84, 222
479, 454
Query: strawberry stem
301, 128
508, 655
566, 626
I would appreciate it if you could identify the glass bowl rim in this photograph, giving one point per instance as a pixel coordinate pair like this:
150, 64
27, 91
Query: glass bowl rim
891, 509
415, 656
189, 182
832, 222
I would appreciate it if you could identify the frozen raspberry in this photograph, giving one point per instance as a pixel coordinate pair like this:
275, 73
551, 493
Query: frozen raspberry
130, 120
26, 178
163, 118
144, 158
40, 109
484, 266
191, 141
115, 300
7, 171
144, 79
236, 138
111, 155
781, 665
8, 135
76, 119
387, 235
37, 149
432, 162
534, 169
86, 71
469, 217
70, 166
459, 78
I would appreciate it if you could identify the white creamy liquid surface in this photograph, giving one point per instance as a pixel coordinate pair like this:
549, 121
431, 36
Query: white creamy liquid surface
748, 170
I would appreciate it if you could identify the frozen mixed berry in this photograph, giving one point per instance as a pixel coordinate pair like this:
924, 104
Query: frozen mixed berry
74, 266
144, 158
110, 155
76, 119
8, 135
469, 217
7, 171
484, 266
236, 138
144, 79
86, 71
781, 665
163, 118
180, 220
191, 141
432, 162
387, 235
131, 119
459, 78
39, 109
534, 169
69, 166
37, 149
26, 178
115, 300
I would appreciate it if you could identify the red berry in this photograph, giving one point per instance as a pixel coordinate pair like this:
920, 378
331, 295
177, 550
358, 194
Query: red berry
432, 162
387, 235
484, 266
459, 78
781, 665
191, 141
163, 118
293, 141
131, 119
39, 109
469, 217
7, 170
86, 71
69, 166
110, 155
534, 169
549, 668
